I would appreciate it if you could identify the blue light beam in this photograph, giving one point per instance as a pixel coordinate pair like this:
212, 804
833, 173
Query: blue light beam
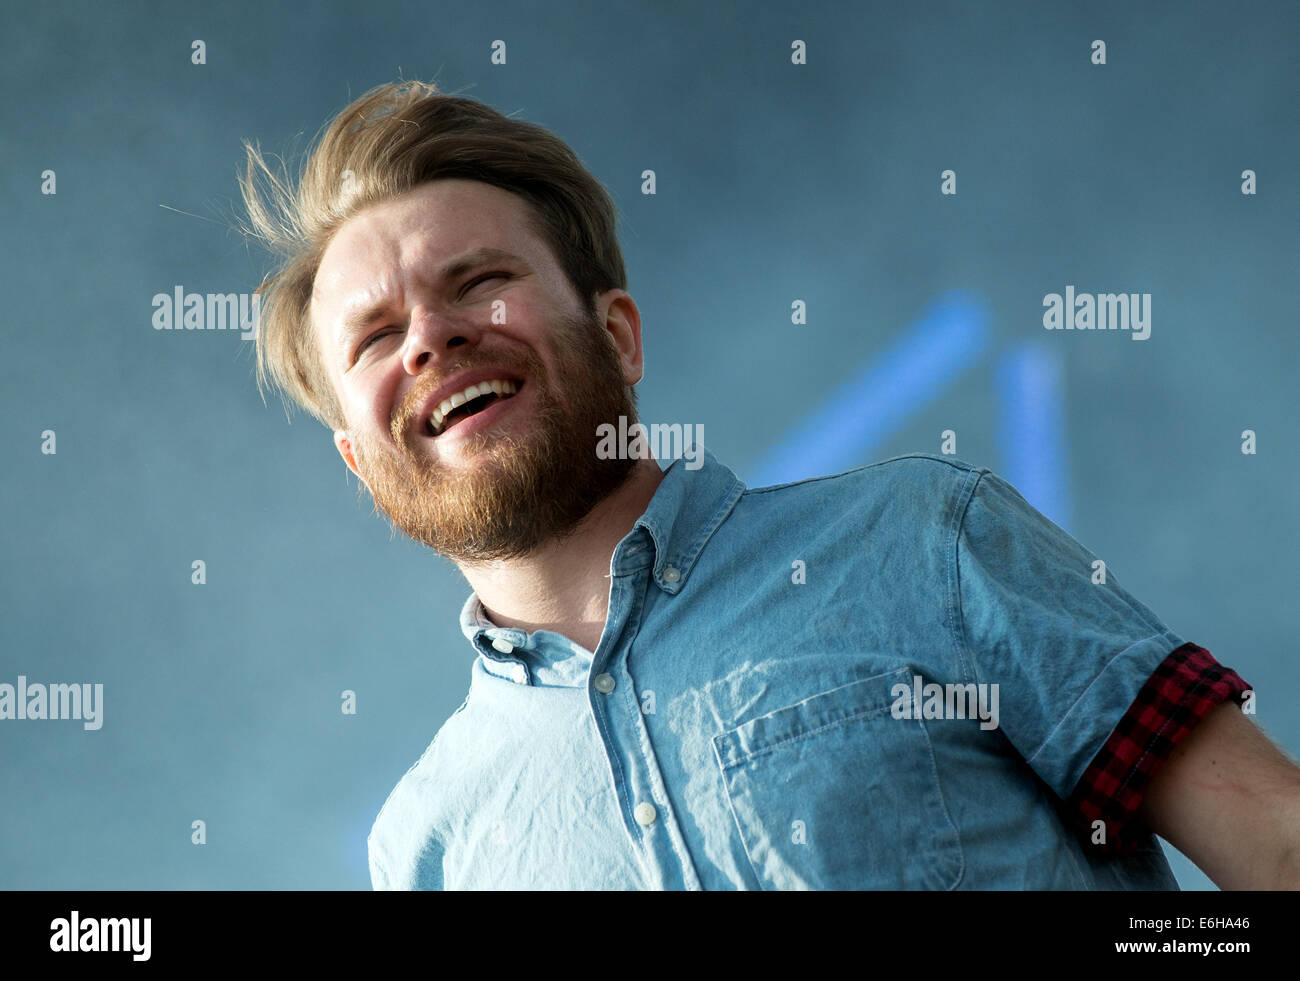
1031, 428
861, 414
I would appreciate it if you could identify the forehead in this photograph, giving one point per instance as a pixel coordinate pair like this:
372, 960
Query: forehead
416, 233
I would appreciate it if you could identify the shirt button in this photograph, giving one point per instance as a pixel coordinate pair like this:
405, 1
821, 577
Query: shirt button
604, 683
503, 645
671, 574
645, 814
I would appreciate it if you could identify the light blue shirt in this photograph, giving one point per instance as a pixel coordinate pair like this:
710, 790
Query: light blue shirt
756, 714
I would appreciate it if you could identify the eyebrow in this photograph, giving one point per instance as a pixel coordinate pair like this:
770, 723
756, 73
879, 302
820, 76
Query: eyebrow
358, 319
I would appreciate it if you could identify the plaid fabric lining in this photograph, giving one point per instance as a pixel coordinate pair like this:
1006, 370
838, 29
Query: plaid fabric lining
1182, 690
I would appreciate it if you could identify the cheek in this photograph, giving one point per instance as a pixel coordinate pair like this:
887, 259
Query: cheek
371, 406
527, 318
368, 449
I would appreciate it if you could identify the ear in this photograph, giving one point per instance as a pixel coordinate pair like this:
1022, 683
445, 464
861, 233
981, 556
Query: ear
623, 321
344, 445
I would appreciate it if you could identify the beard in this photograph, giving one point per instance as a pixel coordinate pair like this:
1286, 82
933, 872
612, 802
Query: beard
516, 491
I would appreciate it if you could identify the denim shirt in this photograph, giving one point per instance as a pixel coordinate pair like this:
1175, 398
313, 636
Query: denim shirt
756, 714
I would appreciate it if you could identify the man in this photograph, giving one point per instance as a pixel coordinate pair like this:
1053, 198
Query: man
898, 677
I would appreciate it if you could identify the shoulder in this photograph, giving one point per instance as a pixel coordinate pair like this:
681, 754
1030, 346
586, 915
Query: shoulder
412, 792
915, 481
920, 468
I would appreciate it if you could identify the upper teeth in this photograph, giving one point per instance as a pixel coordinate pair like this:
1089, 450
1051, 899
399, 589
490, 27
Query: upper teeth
498, 386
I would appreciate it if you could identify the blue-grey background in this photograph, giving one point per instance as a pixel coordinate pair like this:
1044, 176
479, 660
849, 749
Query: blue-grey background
776, 182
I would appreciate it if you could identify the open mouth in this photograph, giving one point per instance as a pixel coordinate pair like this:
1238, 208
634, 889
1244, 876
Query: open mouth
470, 402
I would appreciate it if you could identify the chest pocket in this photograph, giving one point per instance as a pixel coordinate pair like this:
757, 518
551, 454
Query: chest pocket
835, 793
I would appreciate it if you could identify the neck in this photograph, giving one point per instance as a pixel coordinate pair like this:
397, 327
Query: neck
563, 586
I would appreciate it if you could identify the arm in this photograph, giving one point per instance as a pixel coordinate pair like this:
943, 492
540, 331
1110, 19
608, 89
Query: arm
1229, 800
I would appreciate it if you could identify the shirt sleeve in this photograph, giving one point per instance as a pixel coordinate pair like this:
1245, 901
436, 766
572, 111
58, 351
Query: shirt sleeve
1182, 691
421, 870
379, 879
1041, 617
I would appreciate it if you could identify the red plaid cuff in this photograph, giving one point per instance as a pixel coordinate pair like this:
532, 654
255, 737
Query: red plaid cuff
1181, 692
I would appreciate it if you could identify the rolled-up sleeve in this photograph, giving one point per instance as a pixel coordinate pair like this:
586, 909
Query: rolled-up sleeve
1040, 616
1188, 683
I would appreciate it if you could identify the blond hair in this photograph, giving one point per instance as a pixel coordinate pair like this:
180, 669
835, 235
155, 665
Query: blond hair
383, 144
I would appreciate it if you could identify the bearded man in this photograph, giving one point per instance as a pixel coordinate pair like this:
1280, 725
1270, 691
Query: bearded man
655, 700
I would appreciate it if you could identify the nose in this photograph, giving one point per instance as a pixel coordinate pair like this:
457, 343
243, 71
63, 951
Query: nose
431, 335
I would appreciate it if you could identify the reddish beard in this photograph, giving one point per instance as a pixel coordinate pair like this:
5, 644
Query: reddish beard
520, 490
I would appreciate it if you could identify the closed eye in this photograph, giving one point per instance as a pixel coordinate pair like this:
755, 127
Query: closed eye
374, 337
484, 278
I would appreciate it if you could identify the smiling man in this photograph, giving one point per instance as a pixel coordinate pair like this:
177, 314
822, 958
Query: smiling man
656, 700
475, 432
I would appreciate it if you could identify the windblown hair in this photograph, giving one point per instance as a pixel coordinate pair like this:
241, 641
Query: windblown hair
388, 141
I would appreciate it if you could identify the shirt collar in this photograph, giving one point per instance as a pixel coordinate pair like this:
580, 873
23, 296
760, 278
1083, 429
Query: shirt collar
687, 508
